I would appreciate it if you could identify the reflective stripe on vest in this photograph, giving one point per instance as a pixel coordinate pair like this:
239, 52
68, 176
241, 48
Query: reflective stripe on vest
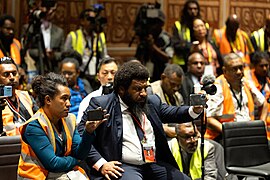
259, 38
7, 114
79, 45
29, 165
15, 50
228, 113
196, 160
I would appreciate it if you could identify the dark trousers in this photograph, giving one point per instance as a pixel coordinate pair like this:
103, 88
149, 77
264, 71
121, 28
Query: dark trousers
161, 171
153, 171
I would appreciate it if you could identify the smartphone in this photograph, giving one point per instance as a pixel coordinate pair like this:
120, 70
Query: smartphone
95, 115
5, 91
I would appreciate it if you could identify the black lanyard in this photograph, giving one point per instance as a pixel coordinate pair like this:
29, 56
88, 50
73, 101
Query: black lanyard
239, 102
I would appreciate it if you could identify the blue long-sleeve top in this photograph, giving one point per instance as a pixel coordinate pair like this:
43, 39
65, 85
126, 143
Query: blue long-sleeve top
56, 161
77, 95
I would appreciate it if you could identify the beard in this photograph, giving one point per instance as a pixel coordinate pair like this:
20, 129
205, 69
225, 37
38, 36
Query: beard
6, 40
137, 108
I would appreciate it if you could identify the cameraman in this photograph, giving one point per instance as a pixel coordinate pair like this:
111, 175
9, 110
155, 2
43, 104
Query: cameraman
52, 39
84, 40
155, 48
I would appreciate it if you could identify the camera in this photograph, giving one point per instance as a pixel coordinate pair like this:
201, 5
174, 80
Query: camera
197, 99
108, 88
208, 81
38, 14
5, 91
98, 21
146, 14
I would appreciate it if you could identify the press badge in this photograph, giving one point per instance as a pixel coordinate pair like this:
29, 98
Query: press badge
148, 152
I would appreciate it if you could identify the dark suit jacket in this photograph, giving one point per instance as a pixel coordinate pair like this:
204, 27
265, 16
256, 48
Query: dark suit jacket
109, 135
187, 88
56, 44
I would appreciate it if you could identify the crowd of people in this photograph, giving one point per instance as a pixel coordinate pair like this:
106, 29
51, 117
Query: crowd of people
148, 128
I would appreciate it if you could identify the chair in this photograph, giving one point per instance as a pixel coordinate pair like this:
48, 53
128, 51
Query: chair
246, 148
10, 150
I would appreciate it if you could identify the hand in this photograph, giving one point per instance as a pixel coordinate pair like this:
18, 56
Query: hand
50, 54
198, 109
112, 169
2, 103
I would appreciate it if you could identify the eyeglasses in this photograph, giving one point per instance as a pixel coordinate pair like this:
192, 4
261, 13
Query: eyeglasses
189, 139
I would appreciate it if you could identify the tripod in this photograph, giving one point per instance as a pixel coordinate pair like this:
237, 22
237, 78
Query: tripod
203, 129
33, 34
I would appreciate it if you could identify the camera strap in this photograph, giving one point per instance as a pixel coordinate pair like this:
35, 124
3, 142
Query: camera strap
239, 101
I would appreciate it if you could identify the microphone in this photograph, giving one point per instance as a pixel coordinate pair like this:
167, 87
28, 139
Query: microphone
208, 84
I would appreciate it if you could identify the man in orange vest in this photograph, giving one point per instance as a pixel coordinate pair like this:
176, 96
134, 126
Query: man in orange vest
261, 80
9, 46
19, 107
231, 39
235, 98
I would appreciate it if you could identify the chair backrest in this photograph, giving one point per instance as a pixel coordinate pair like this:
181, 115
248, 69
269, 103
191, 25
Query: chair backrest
10, 150
245, 143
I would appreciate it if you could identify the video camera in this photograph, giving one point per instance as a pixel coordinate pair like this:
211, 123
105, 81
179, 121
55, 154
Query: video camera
208, 86
98, 21
37, 14
107, 88
146, 14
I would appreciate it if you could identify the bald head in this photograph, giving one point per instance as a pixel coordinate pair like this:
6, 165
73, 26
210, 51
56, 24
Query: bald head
232, 25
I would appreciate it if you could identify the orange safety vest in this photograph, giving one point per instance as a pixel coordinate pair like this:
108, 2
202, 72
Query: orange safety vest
15, 49
7, 114
228, 113
266, 95
29, 165
243, 44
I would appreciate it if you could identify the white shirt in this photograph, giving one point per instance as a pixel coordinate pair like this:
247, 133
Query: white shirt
131, 145
46, 35
85, 103
215, 103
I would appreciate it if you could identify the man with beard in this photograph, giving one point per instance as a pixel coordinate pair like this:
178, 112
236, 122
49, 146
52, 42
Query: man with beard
19, 107
131, 144
234, 100
9, 46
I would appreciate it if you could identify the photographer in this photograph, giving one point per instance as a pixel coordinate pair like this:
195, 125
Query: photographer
154, 49
41, 31
86, 39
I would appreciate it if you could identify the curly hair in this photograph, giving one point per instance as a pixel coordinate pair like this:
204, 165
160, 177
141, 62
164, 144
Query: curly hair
44, 85
185, 17
129, 71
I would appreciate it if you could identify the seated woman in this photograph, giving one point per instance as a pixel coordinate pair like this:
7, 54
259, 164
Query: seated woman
51, 145
207, 48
